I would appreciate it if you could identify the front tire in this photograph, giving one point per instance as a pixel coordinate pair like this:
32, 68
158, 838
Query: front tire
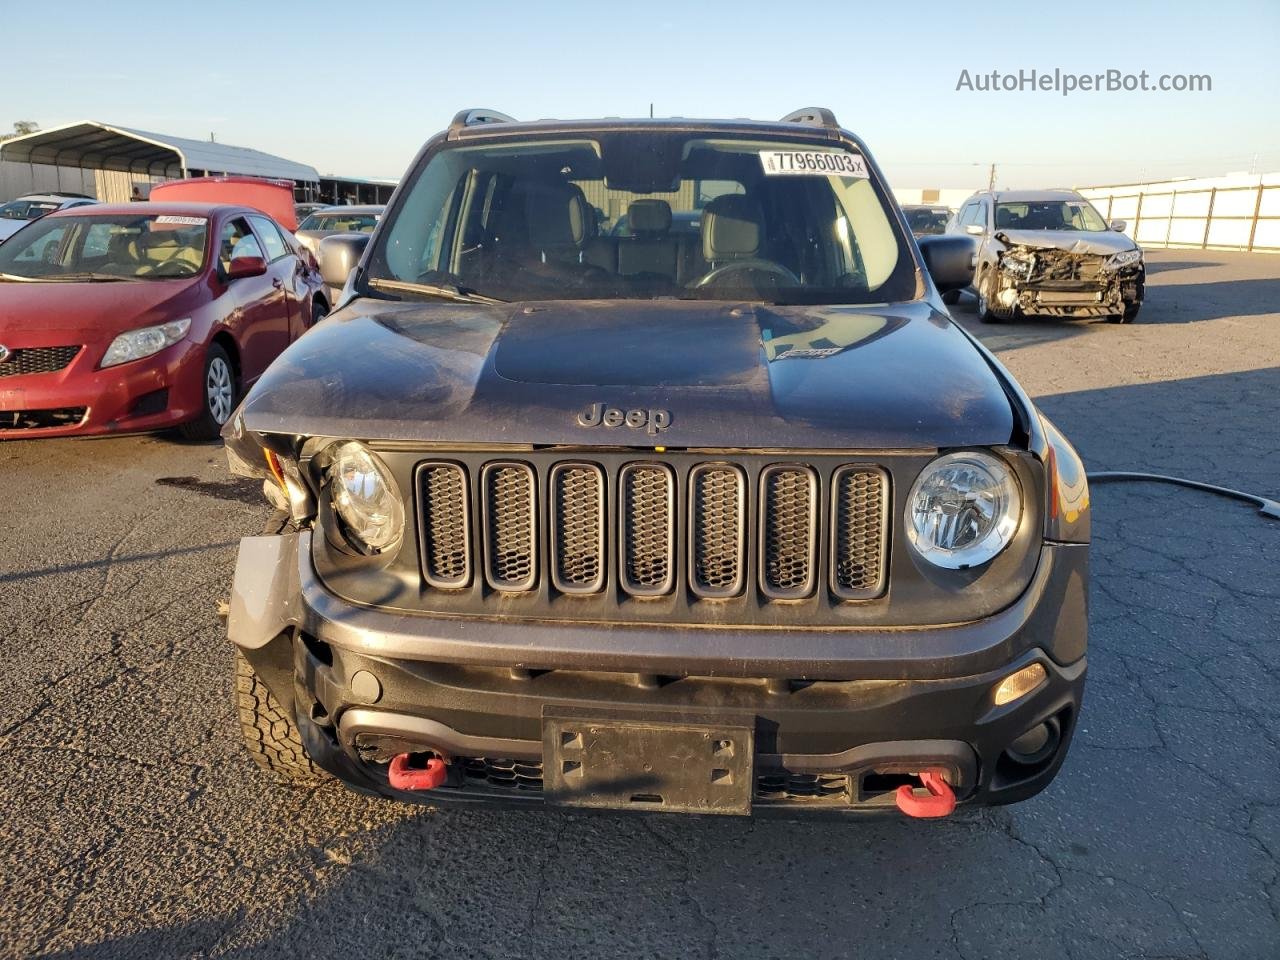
218, 390
319, 310
270, 735
1129, 315
988, 312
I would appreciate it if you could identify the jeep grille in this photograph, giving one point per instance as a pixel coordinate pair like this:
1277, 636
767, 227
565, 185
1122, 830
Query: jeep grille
646, 529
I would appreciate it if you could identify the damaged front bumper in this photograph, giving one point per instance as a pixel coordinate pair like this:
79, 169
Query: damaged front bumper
827, 720
1050, 282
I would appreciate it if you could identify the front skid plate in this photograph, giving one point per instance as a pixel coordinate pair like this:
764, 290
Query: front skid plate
619, 762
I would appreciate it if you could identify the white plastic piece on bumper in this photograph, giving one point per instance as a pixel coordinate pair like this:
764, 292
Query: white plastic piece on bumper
265, 592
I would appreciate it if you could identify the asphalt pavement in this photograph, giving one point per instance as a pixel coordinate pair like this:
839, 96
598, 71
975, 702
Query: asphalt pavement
134, 825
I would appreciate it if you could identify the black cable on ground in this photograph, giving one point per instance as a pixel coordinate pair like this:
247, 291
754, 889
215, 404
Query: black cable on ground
1268, 508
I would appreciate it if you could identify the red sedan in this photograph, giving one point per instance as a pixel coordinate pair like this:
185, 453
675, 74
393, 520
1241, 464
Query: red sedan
145, 316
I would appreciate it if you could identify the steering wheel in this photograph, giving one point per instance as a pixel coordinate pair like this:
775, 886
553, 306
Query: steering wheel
174, 268
754, 263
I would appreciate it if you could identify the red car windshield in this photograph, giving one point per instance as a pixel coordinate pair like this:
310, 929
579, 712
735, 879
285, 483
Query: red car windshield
106, 247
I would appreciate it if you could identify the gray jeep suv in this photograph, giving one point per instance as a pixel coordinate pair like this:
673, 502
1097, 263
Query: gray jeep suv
715, 520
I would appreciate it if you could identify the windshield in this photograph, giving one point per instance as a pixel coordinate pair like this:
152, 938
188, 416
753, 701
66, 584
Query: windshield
27, 209
645, 215
119, 246
1048, 215
341, 222
927, 222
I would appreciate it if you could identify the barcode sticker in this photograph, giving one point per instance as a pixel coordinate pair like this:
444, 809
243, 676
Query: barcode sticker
184, 221
812, 163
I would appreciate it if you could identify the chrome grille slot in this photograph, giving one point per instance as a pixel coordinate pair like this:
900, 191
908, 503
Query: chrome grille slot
788, 531
717, 524
445, 524
859, 531
510, 526
577, 528
646, 529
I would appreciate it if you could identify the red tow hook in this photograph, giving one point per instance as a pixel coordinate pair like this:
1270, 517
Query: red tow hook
939, 803
404, 777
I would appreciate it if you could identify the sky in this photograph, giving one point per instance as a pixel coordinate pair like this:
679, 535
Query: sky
355, 89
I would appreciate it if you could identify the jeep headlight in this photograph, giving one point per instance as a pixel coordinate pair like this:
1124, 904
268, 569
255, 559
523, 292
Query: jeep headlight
365, 497
964, 508
1019, 267
136, 344
1124, 259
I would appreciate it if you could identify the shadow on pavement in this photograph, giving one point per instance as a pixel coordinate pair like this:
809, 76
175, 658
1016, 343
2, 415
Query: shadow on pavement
1159, 838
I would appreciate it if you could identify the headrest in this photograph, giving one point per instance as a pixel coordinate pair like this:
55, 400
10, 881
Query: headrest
557, 214
731, 228
649, 216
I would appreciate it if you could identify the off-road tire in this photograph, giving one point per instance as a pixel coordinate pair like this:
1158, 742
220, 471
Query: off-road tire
270, 735
205, 426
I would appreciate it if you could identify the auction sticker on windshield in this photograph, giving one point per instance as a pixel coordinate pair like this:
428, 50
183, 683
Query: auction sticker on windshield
183, 221
812, 163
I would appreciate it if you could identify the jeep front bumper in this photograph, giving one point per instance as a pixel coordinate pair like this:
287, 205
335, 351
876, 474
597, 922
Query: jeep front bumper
837, 718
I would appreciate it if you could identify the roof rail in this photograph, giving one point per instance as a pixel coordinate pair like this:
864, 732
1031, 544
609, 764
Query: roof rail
474, 116
814, 116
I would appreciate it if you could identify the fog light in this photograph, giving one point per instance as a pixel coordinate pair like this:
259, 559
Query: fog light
1019, 684
1036, 745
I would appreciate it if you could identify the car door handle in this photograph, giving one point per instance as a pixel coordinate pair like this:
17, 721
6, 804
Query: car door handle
278, 283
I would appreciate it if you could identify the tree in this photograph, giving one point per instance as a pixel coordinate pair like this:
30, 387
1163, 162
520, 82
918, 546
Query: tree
21, 128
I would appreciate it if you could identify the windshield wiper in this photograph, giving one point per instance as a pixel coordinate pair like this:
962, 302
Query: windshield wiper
443, 291
18, 279
86, 277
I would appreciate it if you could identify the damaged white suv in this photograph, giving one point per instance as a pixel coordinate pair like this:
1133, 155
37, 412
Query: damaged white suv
1049, 253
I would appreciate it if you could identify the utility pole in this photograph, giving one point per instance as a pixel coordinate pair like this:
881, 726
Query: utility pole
991, 180
651, 111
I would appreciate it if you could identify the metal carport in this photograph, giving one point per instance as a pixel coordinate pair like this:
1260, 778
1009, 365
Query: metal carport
144, 156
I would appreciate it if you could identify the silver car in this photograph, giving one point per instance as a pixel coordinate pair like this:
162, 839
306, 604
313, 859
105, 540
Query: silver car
1049, 253
16, 214
327, 221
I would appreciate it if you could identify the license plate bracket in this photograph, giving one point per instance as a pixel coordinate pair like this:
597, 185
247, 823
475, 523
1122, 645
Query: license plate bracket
633, 763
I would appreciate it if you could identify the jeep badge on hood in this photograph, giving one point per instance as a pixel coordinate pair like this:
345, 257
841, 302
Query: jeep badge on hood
652, 422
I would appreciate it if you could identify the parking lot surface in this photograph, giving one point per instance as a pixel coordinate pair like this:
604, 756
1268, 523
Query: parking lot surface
135, 826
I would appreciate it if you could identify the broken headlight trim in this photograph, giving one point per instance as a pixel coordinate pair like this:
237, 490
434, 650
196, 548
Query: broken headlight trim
963, 509
1017, 266
365, 497
1123, 259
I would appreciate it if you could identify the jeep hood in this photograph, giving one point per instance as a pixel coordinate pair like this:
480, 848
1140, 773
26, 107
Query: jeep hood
1099, 242
728, 375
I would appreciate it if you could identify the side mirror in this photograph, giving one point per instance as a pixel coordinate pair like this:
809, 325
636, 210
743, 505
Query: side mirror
339, 255
245, 267
974, 229
1118, 226
949, 258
